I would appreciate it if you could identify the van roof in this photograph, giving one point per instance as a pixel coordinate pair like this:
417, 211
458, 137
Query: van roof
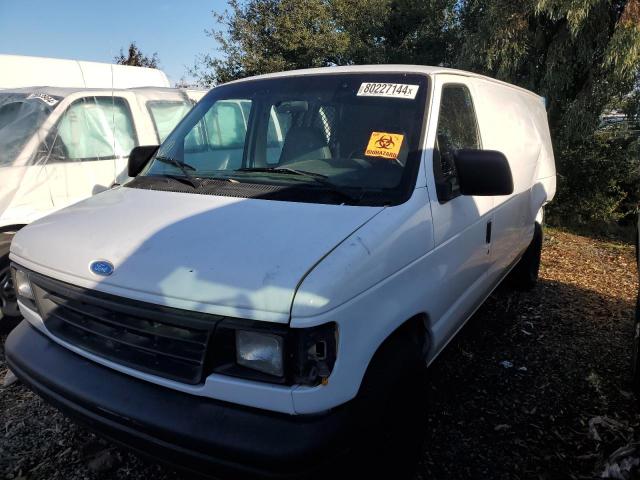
24, 71
424, 69
66, 91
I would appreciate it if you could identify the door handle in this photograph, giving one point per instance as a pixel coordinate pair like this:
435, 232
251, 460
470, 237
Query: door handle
488, 235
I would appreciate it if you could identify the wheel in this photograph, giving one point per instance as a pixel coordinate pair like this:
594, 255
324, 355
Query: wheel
524, 275
9, 312
390, 412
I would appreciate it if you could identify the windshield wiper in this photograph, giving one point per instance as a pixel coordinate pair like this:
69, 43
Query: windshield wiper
317, 177
184, 168
292, 171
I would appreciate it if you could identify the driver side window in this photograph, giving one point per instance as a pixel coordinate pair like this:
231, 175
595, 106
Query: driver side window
457, 130
92, 128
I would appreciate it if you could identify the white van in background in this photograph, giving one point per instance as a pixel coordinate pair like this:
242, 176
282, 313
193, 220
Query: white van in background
17, 71
271, 297
61, 145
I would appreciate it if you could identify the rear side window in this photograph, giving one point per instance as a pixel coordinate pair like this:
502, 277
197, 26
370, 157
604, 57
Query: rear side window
457, 130
93, 128
166, 115
217, 140
226, 124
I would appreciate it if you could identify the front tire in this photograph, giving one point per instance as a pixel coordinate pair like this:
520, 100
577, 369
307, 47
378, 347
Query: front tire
390, 412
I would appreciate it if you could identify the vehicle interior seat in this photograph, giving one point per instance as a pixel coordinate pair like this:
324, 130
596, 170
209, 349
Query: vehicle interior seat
304, 143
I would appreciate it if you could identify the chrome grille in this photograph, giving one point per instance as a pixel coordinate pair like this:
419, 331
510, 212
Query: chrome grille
159, 340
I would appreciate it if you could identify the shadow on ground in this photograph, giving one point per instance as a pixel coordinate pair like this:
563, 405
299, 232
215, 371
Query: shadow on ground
512, 395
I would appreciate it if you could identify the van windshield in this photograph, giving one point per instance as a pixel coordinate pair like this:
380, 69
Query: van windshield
21, 115
327, 138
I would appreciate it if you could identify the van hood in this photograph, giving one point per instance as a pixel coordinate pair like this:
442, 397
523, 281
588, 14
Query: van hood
228, 256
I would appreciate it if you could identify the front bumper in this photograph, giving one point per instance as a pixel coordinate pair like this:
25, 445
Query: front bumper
187, 431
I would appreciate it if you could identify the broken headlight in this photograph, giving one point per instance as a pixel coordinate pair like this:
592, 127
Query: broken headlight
274, 353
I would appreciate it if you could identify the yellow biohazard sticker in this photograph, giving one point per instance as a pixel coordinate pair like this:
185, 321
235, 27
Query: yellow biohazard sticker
382, 144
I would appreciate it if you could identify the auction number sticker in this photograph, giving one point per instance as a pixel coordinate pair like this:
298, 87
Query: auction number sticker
393, 90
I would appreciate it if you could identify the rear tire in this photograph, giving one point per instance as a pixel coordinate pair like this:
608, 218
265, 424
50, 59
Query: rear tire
524, 275
9, 312
390, 412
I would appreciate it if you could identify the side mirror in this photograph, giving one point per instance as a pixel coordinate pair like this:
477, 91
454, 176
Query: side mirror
483, 173
139, 157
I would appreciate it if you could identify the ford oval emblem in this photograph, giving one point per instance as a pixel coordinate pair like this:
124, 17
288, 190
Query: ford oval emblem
102, 268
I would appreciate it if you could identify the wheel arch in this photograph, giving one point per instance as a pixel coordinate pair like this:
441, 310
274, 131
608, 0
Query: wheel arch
11, 228
413, 332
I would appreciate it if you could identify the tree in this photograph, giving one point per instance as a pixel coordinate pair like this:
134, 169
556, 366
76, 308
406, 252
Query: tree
577, 53
582, 55
398, 31
136, 58
262, 36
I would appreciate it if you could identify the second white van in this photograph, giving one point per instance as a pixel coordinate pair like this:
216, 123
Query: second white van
268, 299
61, 145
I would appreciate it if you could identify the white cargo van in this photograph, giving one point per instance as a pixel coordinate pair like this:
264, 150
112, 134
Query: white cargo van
19, 71
59, 146
271, 297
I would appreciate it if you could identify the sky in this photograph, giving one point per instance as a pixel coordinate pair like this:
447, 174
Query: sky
97, 30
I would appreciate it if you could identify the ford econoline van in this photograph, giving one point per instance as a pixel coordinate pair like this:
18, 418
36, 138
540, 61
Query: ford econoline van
59, 146
268, 290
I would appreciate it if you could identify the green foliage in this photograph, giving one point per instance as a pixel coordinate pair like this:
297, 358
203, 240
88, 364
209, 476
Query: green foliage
263, 36
602, 183
136, 58
582, 55
396, 32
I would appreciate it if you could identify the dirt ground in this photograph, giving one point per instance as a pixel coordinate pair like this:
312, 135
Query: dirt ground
535, 386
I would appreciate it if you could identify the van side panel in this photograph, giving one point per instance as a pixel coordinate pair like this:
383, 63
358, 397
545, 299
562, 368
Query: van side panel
24, 195
545, 185
514, 123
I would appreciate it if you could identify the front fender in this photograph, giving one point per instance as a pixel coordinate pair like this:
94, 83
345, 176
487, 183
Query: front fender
369, 285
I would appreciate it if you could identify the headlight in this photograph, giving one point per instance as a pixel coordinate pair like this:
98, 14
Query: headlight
22, 284
260, 351
273, 353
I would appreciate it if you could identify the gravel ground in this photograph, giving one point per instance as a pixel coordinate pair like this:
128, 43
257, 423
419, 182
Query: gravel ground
535, 386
